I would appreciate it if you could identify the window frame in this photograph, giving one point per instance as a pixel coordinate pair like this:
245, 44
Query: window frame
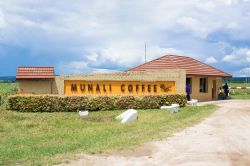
203, 85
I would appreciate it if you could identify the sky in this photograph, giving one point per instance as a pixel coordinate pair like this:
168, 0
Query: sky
84, 36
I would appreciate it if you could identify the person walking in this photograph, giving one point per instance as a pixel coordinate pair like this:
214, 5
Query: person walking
188, 92
226, 90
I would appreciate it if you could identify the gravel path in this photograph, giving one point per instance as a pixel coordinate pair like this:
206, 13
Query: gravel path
221, 139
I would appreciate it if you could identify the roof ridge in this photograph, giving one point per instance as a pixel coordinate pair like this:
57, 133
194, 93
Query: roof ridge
36, 67
190, 64
157, 59
146, 62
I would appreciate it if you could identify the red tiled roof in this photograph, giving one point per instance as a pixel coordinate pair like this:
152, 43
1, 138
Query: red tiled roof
34, 72
192, 66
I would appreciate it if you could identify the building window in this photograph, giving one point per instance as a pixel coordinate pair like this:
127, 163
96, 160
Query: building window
203, 85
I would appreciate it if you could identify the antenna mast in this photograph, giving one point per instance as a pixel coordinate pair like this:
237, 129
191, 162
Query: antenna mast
248, 72
145, 52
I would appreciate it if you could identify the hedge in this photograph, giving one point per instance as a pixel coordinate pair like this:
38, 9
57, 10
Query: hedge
35, 103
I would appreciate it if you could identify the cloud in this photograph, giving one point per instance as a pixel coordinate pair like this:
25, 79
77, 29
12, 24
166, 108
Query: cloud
116, 59
211, 60
129, 54
200, 29
2, 20
206, 6
111, 36
78, 67
244, 72
238, 56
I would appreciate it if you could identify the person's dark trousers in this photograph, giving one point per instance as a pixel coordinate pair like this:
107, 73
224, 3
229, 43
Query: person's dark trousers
188, 97
226, 92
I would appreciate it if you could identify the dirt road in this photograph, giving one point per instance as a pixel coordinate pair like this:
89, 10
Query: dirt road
222, 139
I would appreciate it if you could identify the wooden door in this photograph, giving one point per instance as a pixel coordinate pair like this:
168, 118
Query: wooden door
214, 92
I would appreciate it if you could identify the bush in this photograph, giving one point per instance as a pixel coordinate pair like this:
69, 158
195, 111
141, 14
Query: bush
100, 103
151, 101
73, 103
36, 103
46, 103
125, 102
171, 99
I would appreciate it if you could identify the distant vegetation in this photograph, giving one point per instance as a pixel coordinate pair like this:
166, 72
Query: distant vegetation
7, 79
236, 80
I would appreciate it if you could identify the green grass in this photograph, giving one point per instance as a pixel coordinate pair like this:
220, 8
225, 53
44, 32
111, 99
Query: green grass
6, 89
241, 96
52, 138
238, 84
239, 93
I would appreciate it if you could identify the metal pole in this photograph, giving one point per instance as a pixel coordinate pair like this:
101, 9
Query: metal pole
145, 52
246, 78
248, 73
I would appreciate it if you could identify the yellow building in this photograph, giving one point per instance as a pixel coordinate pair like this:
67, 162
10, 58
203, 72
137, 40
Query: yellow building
166, 75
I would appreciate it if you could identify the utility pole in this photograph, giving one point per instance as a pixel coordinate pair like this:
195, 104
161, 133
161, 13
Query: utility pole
248, 73
145, 52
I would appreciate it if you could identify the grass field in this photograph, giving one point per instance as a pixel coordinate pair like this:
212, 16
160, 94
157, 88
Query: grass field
7, 89
239, 93
50, 138
239, 84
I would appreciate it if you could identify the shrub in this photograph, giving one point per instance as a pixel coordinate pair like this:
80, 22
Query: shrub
151, 102
125, 102
100, 103
46, 103
56, 103
171, 99
73, 103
